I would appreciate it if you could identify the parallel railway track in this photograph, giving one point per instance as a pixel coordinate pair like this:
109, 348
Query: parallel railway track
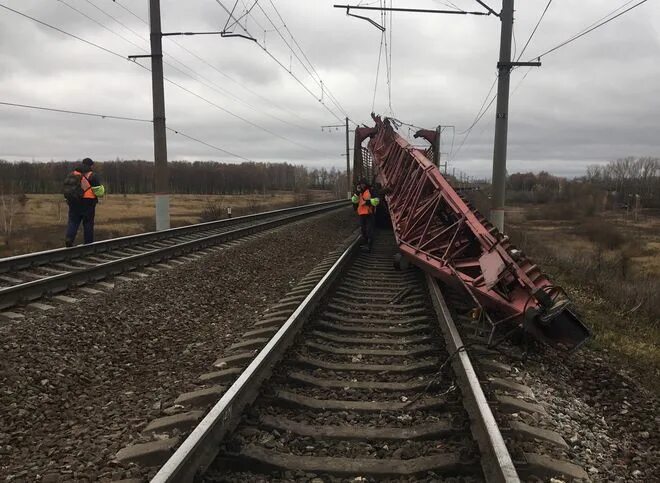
25, 278
356, 382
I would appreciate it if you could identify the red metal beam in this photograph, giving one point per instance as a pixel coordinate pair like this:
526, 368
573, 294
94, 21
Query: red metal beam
438, 231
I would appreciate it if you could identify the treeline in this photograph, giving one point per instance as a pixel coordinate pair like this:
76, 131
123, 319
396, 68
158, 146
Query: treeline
618, 183
628, 176
200, 177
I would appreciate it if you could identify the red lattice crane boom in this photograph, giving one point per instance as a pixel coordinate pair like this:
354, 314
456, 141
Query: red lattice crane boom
438, 231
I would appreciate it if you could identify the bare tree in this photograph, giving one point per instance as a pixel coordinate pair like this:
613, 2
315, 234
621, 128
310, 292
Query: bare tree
10, 205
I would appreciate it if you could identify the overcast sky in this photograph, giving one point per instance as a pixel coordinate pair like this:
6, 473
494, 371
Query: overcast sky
592, 101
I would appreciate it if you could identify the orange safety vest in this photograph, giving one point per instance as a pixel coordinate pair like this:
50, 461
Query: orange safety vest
364, 205
86, 186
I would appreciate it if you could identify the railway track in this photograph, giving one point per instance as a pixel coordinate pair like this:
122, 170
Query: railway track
357, 382
26, 278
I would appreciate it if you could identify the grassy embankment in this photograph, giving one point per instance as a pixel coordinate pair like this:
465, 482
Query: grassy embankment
41, 220
609, 263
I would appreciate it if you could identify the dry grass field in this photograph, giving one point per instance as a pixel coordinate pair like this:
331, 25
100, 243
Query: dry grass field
610, 265
41, 220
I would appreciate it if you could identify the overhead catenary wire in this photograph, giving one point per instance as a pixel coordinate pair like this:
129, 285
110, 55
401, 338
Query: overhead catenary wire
191, 72
588, 30
92, 19
547, 6
244, 14
77, 113
302, 84
118, 118
599, 23
200, 141
602, 21
318, 80
380, 55
307, 58
116, 20
388, 54
216, 69
116, 54
479, 114
241, 118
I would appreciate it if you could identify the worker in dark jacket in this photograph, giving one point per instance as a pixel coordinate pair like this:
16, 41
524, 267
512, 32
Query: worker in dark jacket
82, 190
366, 205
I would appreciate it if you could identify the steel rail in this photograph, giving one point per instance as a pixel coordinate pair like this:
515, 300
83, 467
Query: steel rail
11, 296
495, 458
35, 259
200, 448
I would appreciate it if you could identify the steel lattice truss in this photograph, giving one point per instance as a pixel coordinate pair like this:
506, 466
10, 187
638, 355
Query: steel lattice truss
438, 231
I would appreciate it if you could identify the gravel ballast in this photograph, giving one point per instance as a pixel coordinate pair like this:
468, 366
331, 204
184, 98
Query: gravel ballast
81, 381
608, 419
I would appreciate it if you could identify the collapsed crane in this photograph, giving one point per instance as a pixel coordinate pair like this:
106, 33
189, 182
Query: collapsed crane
441, 233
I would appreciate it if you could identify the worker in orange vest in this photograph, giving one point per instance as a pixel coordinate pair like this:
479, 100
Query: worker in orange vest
82, 190
365, 204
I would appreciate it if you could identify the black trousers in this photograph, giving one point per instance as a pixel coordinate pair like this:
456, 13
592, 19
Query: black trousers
367, 226
82, 212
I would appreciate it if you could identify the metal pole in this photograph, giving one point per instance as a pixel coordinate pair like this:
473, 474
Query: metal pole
348, 165
502, 117
436, 148
160, 139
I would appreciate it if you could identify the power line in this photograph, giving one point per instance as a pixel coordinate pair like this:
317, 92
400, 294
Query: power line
534, 30
118, 118
100, 24
78, 113
599, 23
148, 69
330, 94
129, 11
388, 57
224, 74
318, 81
479, 112
469, 131
116, 54
217, 106
263, 47
247, 12
176, 131
191, 72
380, 54
589, 30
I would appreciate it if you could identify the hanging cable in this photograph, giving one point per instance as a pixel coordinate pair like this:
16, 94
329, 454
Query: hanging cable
389, 91
380, 54
479, 112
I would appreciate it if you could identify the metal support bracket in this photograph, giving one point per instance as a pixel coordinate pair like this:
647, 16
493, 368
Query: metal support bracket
508, 65
372, 22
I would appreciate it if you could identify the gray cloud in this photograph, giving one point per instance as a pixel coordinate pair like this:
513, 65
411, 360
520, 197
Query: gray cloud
594, 100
